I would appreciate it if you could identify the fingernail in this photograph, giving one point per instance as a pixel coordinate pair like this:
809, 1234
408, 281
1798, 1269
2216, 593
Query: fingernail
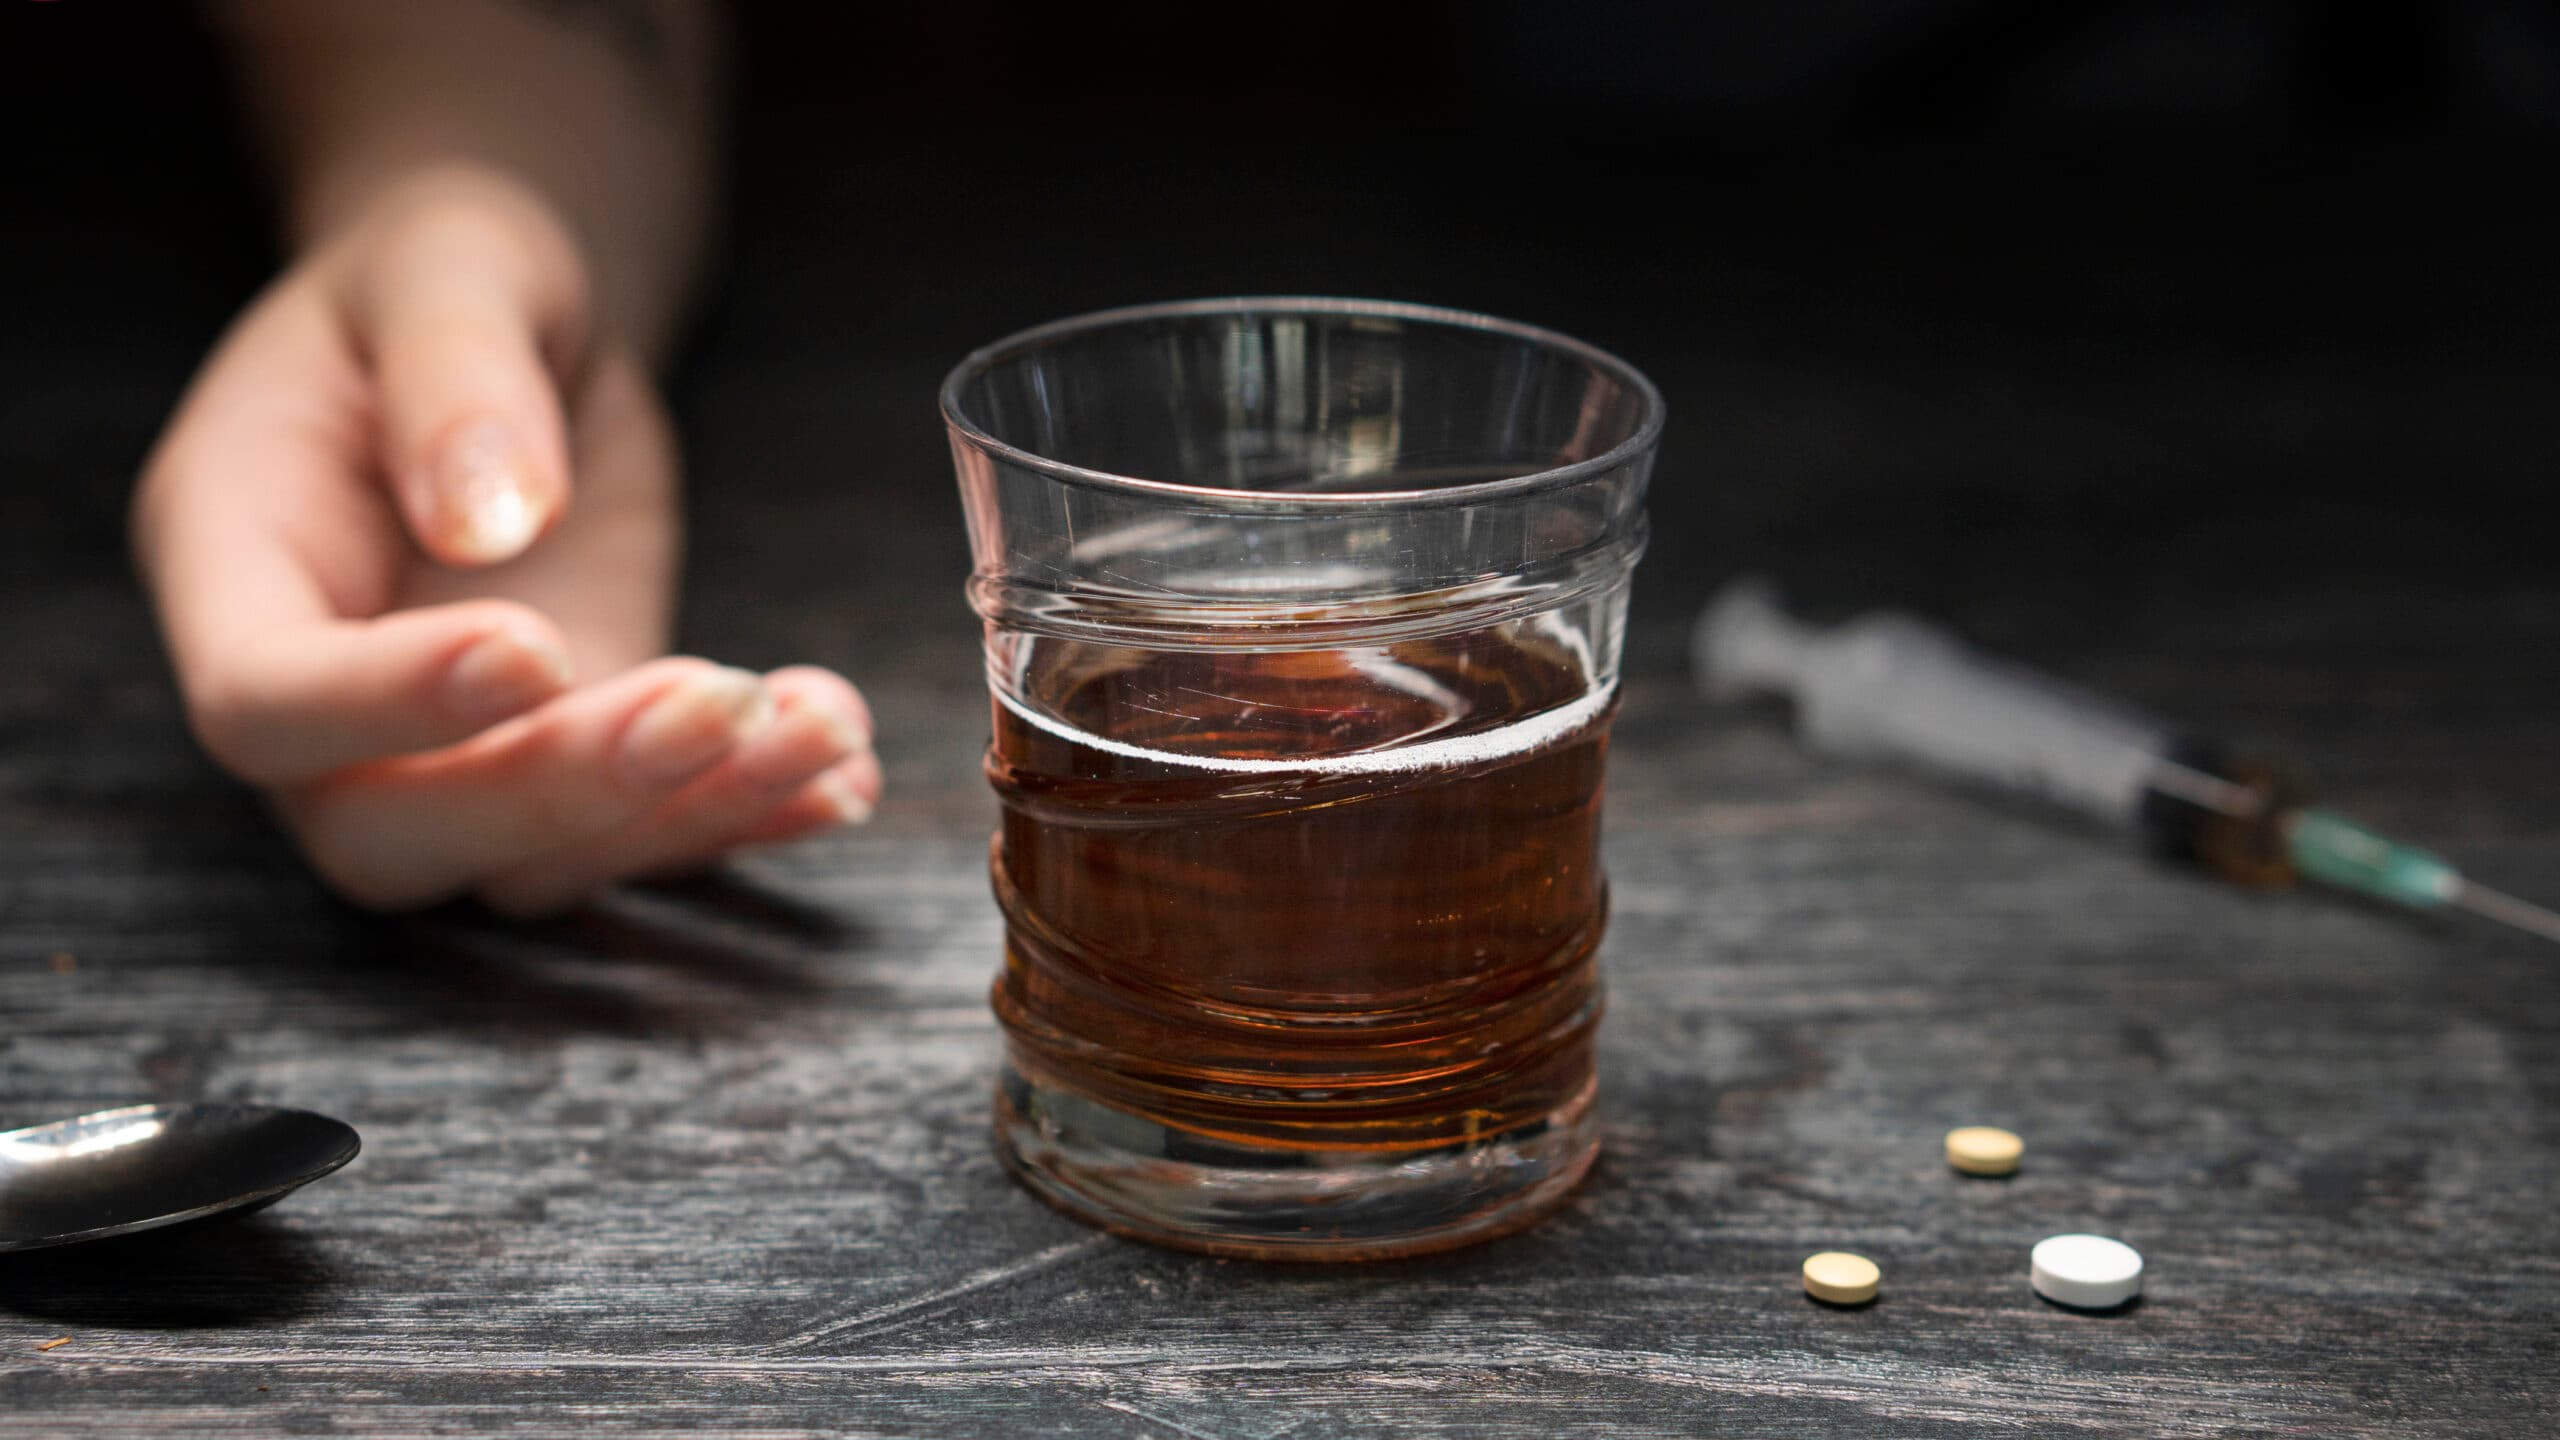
788, 753
686, 730
504, 674
483, 493
842, 798
848, 738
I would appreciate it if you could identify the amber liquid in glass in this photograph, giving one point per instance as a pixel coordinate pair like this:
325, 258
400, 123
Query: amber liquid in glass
1337, 902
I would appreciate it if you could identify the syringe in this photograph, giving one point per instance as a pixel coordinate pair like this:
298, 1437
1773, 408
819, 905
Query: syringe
1890, 687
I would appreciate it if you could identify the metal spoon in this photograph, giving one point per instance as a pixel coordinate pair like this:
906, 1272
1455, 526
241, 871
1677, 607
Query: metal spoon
120, 1171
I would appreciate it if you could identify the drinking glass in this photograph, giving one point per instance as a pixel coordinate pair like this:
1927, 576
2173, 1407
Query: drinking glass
1302, 631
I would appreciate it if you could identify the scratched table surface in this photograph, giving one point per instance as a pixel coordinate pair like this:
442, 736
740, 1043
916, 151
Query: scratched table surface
715, 1155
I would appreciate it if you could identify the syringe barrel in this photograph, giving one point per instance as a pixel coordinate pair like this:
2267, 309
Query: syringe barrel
1890, 687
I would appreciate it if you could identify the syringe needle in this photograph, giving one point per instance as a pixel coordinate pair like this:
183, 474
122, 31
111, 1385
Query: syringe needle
2500, 906
1892, 687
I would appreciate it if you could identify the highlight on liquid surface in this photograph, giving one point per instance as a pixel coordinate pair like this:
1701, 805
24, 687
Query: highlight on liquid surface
1318, 901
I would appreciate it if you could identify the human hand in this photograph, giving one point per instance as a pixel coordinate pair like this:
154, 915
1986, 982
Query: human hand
387, 614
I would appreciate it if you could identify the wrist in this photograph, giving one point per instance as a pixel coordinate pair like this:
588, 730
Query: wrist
335, 208
626, 300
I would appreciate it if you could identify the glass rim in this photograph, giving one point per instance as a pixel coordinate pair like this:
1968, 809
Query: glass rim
979, 362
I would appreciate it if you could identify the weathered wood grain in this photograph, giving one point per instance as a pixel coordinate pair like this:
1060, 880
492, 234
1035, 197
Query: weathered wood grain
716, 1157
691, 1163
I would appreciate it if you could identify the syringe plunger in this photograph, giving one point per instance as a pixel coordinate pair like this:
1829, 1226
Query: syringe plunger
1891, 687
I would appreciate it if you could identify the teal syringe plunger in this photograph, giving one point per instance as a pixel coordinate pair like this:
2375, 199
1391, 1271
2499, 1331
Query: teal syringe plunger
1892, 688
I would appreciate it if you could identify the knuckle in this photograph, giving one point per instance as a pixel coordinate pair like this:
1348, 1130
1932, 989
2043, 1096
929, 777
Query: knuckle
825, 687
366, 875
150, 499
545, 819
226, 719
477, 619
469, 221
551, 796
458, 214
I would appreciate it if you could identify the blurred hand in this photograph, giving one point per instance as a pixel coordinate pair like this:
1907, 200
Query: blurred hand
389, 611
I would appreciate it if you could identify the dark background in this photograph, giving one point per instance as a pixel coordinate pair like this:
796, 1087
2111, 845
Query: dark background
1952, 301
2132, 339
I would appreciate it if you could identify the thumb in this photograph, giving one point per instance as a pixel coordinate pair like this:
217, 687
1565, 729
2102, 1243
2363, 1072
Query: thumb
470, 305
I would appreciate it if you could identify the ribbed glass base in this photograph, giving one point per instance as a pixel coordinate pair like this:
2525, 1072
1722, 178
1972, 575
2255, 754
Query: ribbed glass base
1150, 1182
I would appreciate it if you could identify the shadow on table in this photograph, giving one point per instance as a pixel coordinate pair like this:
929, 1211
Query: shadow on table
707, 956
711, 956
207, 1275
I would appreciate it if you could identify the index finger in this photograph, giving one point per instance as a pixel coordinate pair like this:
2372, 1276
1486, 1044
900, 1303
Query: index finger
269, 553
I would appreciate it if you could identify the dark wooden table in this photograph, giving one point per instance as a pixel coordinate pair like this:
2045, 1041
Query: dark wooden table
716, 1157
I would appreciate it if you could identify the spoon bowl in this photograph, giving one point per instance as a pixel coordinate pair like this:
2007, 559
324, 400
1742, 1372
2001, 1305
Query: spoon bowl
120, 1171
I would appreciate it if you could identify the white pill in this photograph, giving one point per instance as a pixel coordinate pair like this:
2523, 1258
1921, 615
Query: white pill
2087, 1272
